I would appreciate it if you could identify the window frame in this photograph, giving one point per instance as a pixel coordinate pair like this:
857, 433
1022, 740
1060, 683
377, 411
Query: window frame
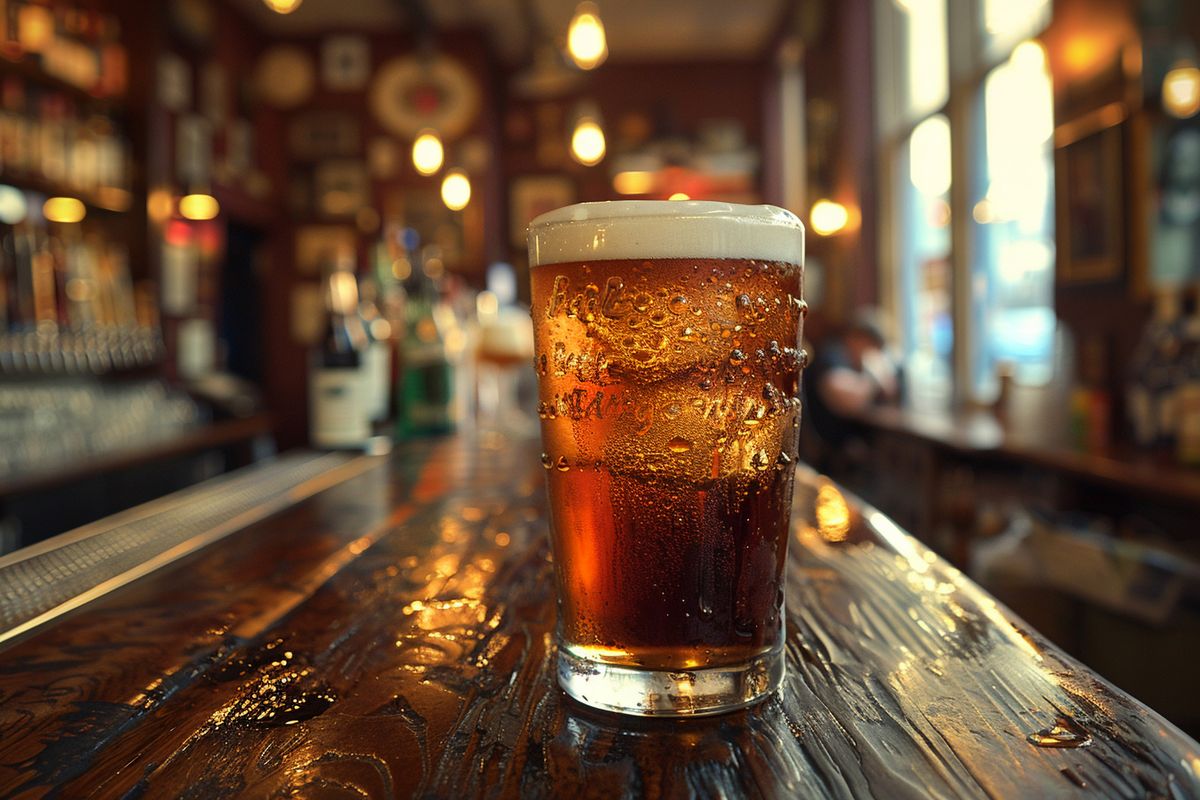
969, 64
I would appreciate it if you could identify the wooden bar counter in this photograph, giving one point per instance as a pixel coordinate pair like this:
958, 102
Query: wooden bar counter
387, 632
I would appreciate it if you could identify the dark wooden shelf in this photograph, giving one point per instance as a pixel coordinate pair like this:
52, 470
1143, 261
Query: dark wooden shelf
35, 74
981, 434
120, 203
206, 437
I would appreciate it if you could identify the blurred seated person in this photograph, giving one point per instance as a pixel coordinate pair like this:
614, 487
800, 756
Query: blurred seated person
851, 372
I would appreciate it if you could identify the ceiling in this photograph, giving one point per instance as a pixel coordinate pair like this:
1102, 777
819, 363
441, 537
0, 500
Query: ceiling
638, 30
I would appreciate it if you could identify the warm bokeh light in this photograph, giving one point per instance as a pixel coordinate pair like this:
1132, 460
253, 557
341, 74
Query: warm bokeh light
63, 209
633, 182
828, 217
679, 196
1181, 90
833, 514
35, 27
586, 43
160, 205
199, 207
13, 206
282, 6
427, 153
929, 159
456, 190
587, 142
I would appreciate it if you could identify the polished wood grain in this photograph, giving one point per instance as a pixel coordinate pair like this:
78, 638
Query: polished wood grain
390, 637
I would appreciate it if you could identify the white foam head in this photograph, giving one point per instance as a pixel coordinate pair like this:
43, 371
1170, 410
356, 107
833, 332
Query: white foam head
626, 229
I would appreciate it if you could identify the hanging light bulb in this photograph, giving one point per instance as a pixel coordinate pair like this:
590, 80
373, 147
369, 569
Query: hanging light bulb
587, 140
828, 217
427, 153
282, 6
586, 43
1181, 90
456, 190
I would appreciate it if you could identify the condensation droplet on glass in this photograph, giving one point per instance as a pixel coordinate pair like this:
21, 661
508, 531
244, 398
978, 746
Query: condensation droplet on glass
641, 302
1064, 733
677, 304
562, 465
547, 461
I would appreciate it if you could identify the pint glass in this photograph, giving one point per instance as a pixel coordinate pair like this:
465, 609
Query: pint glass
668, 361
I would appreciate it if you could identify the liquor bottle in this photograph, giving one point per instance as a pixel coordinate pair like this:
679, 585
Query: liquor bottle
427, 378
338, 410
378, 363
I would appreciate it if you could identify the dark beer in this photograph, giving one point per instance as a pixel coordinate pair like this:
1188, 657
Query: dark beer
670, 415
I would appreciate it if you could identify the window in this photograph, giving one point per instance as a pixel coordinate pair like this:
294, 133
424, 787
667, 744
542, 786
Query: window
1012, 281
969, 270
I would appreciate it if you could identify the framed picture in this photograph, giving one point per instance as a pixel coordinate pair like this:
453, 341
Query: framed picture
315, 135
345, 63
532, 195
317, 245
1091, 191
341, 187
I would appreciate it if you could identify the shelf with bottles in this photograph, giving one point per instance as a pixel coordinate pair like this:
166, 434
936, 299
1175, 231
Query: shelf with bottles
69, 305
53, 146
69, 47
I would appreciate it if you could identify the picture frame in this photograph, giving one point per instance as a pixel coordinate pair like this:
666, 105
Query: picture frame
341, 187
345, 63
1090, 189
532, 195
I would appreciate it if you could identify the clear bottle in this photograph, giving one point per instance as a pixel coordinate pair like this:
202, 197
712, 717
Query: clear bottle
338, 414
378, 362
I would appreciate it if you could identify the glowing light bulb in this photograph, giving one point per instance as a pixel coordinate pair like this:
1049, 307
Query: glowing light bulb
282, 6
13, 206
1181, 90
456, 190
587, 142
63, 209
427, 153
586, 42
680, 196
828, 217
199, 207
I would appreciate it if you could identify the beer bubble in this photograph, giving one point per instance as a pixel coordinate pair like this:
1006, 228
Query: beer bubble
659, 318
737, 358
803, 359
562, 465
678, 444
677, 304
547, 462
642, 302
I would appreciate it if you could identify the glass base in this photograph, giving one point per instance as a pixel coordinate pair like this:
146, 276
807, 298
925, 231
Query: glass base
659, 693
